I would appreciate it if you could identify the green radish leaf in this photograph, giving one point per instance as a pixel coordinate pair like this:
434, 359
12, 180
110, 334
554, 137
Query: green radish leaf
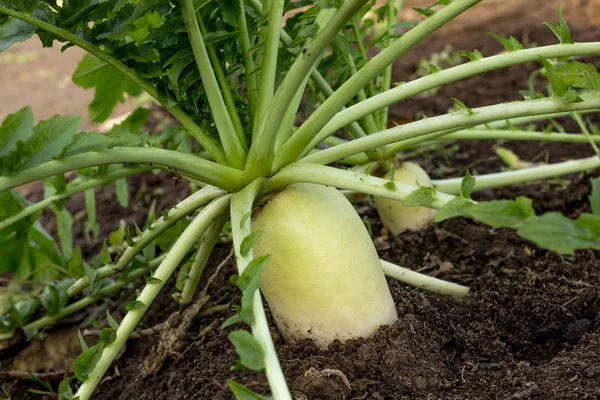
64, 227
250, 351
249, 242
91, 274
82, 342
15, 127
50, 299
109, 83
135, 305
60, 183
108, 335
248, 283
234, 319
86, 141
47, 141
556, 232
467, 185
122, 192
183, 274
22, 310
86, 362
433, 69
510, 44
390, 185
472, 55
427, 12
245, 218
424, 197
495, 213
241, 392
138, 231
133, 123
111, 321
456, 207
105, 255
116, 238
561, 30
76, 269
459, 105
578, 75
128, 238
91, 224
13, 30
151, 280
557, 84
595, 196
64, 391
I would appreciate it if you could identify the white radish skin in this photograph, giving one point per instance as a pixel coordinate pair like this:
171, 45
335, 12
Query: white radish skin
393, 214
325, 280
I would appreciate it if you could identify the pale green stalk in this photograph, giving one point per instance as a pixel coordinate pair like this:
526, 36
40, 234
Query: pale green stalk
69, 191
174, 215
232, 143
329, 176
207, 244
185, 164
497, 134
394, 7
527, 120
86, 301
164, 271
423, 281
421, 85
450, 121
363, 53
200, 134
369, 119
508, 178
376, 65
261, 154
241, 204
249, 67
224, 85
354, 130
268, 61
586, 133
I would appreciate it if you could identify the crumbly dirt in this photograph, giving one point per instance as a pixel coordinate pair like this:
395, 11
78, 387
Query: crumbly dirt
529, 329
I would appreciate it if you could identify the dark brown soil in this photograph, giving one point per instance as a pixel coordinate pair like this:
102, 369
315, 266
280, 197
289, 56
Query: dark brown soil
529, 329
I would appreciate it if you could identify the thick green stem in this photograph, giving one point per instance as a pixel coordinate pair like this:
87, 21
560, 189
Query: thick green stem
423, 281
232, 143
178, 212
310, 128
249, 67
329, 176
453, 120
502, 179
268, 62
207, 243
203, 137
421, 85
86, 301
241, 205
71, 190
224, 85
164, 271
394, 7
185, 164
497, 134
261, 152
